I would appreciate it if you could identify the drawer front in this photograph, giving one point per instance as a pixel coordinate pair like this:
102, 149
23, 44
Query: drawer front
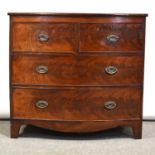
112, 37
77, 104
81, 70
44, 37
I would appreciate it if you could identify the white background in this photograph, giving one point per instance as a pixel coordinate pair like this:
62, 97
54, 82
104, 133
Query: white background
88, 6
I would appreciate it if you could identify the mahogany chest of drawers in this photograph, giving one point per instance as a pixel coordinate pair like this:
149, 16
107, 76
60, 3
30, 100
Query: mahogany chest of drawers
76, 72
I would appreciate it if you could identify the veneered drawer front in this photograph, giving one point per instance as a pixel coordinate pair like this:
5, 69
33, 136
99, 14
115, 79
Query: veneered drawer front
44, 37
80, 70
77, 104
111, 37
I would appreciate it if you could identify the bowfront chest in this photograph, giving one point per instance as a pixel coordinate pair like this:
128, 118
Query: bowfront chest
76, 72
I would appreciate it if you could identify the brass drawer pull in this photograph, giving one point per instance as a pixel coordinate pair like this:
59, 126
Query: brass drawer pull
111, 70
110, 105
42, 69
112, 38
41, 104
43, 37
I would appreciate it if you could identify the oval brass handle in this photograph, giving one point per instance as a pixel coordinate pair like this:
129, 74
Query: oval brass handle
112, 38
111, 70
42, 69
110, 105
43, 37
41, 104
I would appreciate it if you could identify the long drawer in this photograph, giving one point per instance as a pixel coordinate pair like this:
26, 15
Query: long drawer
77, 103
80, 70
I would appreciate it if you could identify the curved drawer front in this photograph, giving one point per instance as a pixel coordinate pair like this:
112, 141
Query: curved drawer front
77, 104
112, 37
44, 37
69, 70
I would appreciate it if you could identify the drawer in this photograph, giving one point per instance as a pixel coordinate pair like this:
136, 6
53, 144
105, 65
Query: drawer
112, 37
80, 70
44, 37
77, 104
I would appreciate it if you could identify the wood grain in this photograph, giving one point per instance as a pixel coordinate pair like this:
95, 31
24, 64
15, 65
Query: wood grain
70, 70
79, 18
93, 37
76, 85
77, 104
77, 126
62, 37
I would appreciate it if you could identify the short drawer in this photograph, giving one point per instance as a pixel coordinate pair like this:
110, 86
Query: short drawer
112, 37
44, 37
80, 70
77, 104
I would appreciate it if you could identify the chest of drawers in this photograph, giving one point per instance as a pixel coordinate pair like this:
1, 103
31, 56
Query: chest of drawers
76, 72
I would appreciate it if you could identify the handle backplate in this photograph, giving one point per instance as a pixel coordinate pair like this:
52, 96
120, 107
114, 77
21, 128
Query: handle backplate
41, 104
112, 38
110, 105
43, 37
111, 70
41, 69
